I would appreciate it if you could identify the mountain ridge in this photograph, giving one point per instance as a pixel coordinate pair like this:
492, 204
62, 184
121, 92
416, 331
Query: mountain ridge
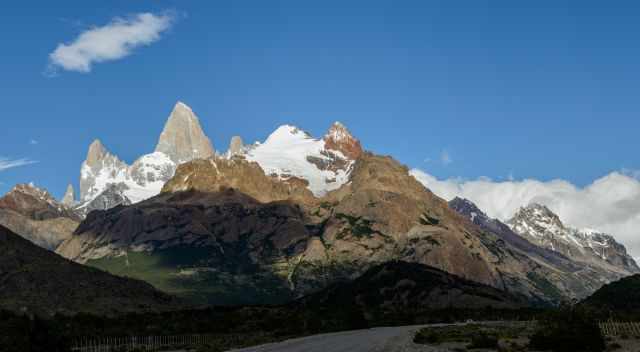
38, 281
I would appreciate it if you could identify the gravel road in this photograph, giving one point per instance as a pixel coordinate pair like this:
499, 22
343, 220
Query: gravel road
391, 339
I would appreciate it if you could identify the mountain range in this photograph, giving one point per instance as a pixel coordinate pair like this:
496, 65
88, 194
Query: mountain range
274, 221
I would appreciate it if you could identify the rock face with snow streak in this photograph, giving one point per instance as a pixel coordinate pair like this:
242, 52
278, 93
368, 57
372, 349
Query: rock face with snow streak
182, 138
291, 152
106, 181
541, 226
96, 171
339, 138
102, 170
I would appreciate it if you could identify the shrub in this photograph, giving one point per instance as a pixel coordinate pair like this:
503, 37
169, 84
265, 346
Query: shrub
483, 340
614, 346
427, 337
567, 330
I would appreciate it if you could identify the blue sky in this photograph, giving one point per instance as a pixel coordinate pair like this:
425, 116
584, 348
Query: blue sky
544, 91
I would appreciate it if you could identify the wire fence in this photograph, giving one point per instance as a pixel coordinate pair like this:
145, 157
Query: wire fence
141, 343
611, 328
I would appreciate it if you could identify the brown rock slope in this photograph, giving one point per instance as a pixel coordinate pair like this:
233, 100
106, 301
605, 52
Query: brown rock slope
35, 215
35, 280
251, 238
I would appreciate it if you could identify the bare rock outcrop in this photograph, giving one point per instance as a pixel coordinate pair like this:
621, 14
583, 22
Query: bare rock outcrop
182, 138
339, 138
69, 198
35, 215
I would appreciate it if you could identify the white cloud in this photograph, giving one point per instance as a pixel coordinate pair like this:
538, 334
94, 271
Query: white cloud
33, 141
110, 42
610, 204
11, 163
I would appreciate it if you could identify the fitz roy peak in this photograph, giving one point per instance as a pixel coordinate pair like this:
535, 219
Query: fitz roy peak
182, 138
107, 181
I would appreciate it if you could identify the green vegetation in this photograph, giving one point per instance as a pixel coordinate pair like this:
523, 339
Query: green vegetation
619, 300
358, 226
475, 336
482, 339
566, 330
545, 286
191, 273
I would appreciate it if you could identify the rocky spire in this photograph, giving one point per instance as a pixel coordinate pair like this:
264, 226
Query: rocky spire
339, 138
182, 138
69, 198
99, 163
96, 153
235, 146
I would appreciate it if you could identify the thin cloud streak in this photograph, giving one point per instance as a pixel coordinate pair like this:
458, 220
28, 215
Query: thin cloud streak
6, 164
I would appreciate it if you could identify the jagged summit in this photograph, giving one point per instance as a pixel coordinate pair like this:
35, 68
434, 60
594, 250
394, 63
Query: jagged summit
236, 146
97, 151
464, 206
34, 202
542, 226
69, 197
340, 139
182, 138
538, 221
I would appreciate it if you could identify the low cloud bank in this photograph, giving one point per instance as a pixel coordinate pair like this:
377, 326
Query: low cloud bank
610, 204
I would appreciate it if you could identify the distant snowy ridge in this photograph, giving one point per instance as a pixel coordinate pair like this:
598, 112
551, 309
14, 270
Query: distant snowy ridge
543, 227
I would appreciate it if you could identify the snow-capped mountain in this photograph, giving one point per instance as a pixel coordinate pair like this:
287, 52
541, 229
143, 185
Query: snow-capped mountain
324, 163
107, 181
541, 226
582, 275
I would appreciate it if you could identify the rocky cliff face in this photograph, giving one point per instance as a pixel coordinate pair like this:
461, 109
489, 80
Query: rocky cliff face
182, 138
216, 174
35, 215
541, 226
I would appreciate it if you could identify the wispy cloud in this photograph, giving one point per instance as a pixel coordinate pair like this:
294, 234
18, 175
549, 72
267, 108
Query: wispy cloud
33, 141
6, 163
610, 203
113, 41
